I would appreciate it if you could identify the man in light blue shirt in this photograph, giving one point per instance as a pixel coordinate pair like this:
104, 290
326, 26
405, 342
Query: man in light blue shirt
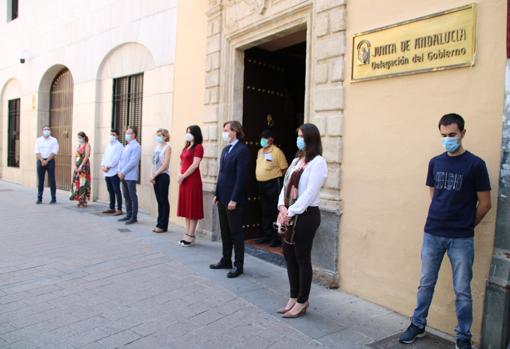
109, 166
128, 172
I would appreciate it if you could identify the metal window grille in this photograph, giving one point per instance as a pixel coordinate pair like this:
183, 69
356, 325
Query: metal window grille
13, 148
127, 104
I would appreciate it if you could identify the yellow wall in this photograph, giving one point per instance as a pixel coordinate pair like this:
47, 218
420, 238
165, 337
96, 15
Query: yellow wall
189, 83
390, 135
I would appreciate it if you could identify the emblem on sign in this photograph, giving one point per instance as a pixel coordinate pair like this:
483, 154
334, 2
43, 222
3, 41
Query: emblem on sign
363, 52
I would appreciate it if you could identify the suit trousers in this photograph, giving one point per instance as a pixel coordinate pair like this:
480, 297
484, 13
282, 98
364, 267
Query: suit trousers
232, 234
41, 172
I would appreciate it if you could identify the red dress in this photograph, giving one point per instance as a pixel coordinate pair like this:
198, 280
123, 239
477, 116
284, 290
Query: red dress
190, 203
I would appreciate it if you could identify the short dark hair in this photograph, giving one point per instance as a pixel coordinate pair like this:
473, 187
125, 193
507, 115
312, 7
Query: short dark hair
312, 138
452, 118
197, 136
114, 131
236, 127
267, 133
132, 128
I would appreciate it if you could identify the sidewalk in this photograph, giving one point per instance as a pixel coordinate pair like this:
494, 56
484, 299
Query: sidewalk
73, 278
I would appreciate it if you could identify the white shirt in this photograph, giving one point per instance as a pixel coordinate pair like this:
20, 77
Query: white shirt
111, 158
46, 146
313, 178
232, 145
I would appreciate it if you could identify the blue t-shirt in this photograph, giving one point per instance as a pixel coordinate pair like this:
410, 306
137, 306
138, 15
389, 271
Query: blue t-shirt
456, 181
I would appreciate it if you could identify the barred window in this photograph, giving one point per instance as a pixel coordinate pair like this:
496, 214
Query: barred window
13, 112
127, 104
12, 10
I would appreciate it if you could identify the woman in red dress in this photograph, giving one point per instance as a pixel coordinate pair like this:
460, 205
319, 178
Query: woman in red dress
190, 204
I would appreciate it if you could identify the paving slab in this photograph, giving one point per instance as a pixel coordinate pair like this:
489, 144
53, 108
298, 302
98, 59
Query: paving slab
75, 278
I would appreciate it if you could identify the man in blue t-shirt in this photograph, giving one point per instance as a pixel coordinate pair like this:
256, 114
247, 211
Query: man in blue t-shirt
460, 191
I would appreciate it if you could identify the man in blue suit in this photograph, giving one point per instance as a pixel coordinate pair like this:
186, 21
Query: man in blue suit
230, 197
128, 174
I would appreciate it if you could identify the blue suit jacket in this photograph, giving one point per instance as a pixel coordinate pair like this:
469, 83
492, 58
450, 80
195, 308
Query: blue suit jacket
233, 174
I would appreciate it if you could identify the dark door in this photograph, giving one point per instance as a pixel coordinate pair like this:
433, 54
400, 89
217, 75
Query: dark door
273, 98
61, 121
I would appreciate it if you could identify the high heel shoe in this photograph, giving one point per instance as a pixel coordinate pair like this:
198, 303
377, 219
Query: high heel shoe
285, 308
294, 316
185, 243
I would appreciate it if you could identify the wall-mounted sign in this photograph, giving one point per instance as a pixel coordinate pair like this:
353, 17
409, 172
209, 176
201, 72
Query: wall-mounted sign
439, 41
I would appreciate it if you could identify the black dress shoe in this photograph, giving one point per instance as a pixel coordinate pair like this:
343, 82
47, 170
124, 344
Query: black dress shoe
38, 202
235, 272
53, 202
131, 221
221, 265
124, 219
275, 243
263, 240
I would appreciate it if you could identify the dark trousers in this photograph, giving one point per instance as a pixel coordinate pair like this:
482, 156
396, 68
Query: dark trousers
232, 234
269, 192
113, 186
299, 255
161, 191
41, 172
129, 191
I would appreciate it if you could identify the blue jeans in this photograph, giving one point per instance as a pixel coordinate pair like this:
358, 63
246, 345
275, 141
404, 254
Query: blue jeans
131, 199
461, 254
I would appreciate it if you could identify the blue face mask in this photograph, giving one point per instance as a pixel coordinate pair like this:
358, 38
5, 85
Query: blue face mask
128, 137
264, 143
450, 144
159, 139
300, 143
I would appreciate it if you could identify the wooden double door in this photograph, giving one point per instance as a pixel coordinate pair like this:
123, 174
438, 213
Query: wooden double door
61, 123
273, 98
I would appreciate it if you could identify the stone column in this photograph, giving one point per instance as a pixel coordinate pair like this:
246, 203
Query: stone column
326, 111
209, 166
496, 319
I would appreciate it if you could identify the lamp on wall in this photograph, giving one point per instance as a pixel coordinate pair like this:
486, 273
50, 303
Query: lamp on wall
24, 56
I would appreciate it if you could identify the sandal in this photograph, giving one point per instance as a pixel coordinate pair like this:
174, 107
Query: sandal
185, 243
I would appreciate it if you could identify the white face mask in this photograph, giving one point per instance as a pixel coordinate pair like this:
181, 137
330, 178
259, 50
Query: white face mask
112, 139
189, 137
46, 133
81, 140
226, 136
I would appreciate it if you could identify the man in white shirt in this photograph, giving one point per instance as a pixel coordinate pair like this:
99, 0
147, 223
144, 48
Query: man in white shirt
46, 149
109, 166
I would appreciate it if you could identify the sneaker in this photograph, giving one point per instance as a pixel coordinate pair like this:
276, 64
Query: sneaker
411, 334
463, 344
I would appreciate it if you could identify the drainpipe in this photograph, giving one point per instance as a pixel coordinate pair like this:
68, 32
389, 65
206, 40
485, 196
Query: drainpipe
496, 319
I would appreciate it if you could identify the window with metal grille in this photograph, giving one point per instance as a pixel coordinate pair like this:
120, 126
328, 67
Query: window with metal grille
13, 112
127, 104
12, 10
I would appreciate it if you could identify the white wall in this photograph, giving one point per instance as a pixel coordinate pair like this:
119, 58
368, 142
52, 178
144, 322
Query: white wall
97, 40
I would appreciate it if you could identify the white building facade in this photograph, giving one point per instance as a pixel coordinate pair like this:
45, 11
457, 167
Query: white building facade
88, 66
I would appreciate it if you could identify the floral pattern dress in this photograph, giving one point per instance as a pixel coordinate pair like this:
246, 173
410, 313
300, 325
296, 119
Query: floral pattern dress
81, 179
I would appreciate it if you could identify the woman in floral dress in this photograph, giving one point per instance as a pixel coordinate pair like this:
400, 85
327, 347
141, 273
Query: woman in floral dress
81, 171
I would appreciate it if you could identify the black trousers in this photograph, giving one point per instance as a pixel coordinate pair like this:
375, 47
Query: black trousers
299, 255
268, 193
41, 172
131, 198
232, 234
161, 191
113, 186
